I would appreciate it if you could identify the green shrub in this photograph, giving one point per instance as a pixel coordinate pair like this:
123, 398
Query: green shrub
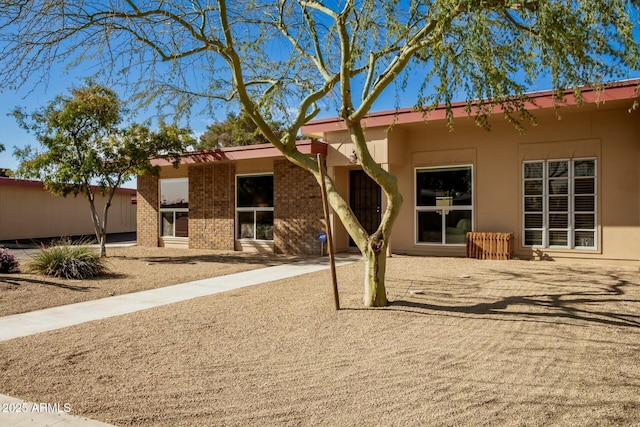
8, 262
68, 261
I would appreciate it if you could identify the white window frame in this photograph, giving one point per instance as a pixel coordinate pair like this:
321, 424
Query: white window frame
444, 209
173, 210
571, 212
251, 209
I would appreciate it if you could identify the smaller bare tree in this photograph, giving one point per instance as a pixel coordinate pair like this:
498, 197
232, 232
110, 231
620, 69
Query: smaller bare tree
85, 152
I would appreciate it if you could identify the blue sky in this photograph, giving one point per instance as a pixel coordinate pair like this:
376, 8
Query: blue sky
33, 98
11, 134
59, 81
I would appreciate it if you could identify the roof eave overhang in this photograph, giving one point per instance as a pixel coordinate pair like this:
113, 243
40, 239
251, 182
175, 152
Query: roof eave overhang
617, 91
246, 152
24, 183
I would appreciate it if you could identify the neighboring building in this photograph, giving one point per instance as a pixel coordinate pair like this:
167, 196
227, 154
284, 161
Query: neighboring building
28, 211
566, 188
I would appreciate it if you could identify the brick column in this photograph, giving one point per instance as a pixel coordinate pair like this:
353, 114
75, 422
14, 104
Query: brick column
147, 216
200, 178
223, 194
211, 206
297, 210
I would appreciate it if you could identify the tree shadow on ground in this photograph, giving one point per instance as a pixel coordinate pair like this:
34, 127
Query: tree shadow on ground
224, 258
596, 297
21, 281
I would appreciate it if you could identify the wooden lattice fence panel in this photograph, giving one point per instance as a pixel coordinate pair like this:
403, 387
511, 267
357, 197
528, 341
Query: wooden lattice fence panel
483, 245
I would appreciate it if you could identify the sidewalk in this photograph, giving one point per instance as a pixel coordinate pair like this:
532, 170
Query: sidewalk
25, 324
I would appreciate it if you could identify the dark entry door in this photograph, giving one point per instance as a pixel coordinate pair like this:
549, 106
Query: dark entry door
365, 199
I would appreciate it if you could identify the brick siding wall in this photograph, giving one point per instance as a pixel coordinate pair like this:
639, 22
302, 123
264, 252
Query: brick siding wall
147, 211
298, 216
211, 206
297, 208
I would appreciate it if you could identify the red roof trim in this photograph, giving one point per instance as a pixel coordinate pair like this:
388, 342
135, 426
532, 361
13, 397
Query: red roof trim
258, 151
11, 182
538, 100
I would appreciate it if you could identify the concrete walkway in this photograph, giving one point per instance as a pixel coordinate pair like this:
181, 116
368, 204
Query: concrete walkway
22, 325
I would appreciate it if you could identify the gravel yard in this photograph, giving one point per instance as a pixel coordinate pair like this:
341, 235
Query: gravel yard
132, 269
465, 342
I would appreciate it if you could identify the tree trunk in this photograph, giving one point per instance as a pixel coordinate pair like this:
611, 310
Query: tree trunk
100, 227
372, 247
103, 244
375, 264
95, 219
103, 227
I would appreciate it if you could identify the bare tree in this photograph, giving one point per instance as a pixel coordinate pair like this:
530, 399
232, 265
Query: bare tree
268, 55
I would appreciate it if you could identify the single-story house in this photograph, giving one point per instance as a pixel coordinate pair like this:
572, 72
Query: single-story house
28, 211
566, 188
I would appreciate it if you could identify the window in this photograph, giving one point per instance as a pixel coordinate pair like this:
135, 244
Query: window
254, 207
559, 203
174, 207
444, 205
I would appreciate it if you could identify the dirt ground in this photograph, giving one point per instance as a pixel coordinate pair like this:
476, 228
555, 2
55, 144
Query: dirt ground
464, 343
132, 269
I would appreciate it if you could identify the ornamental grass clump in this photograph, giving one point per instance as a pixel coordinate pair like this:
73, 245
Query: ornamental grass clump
8, 262
68, 261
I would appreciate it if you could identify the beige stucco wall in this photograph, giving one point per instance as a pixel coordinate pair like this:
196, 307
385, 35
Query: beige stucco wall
28, 212
609, 133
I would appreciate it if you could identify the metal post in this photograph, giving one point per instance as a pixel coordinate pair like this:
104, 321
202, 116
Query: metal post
325, 206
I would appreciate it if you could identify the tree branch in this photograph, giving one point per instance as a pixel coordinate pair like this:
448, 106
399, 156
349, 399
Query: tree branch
397, 64
236, 71
317, 60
